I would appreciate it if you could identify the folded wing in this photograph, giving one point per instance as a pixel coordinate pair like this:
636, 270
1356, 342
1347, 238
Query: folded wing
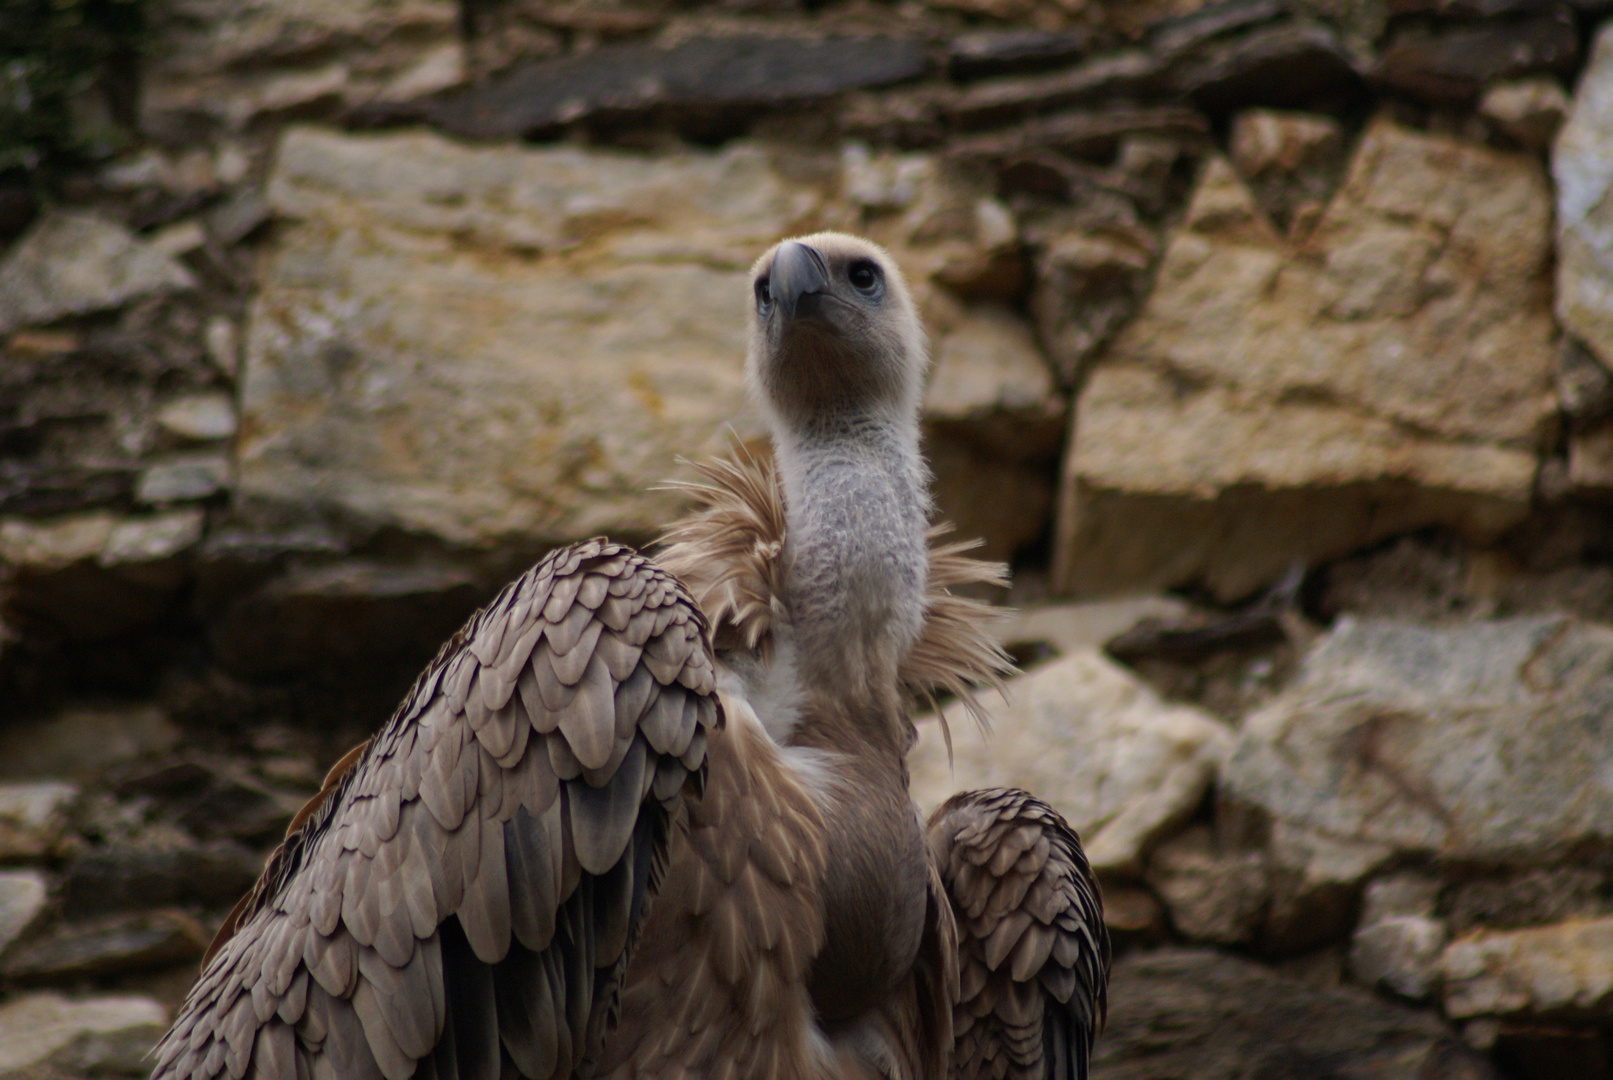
465, 897
1033, 952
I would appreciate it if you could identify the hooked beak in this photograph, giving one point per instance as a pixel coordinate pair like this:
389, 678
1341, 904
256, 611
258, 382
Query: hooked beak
799, 275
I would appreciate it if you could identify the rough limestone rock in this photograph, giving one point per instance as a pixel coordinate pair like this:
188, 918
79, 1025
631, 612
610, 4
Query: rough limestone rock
987, 362
22, 898
81, 743
504, 345
1316, 880
1582, 165
1279, 400
207, 36
1530, 111
691, 80
183, 478
33, 817
119, 944
476, 344
94, 575
324, 617
1074, 627
1198, 1015
1123, 766
1399, 894
1213, 895
76, 263
1507, 901
1486, 743
227, 61
164, 867
1398, 943
1400, 953
199, 417
992, 423
92, 1035
1289, 160
1564, 971
40, 546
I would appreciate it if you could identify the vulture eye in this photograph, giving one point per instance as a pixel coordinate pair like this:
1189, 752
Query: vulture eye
864, 277
764, 297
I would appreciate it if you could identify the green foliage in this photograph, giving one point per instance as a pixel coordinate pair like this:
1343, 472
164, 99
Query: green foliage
66, 77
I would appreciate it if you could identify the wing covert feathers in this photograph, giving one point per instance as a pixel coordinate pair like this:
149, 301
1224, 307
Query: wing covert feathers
730, 552
1033, 951
719, 988
461, 900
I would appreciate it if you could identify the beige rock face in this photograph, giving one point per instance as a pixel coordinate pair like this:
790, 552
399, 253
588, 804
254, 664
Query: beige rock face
1316, 878
96, 574
1564, 970
104, 1034
495, 345
1075, 627
993, 423
33, 817
1213, 895
37, 546
1483, 744
1529, 110
485, 343
1582, 165
22, 898
987, 361
73, 264
229, 61
209, 35
1123, 766
1279, 401
1401, 952
1290, 161
79, 743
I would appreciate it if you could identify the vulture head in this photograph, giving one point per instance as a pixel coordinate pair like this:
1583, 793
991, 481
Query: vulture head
833, 333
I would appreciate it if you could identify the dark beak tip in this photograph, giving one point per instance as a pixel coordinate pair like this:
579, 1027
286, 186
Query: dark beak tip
798, 271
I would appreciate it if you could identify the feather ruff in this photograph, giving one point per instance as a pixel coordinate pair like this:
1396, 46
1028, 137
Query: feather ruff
730, 554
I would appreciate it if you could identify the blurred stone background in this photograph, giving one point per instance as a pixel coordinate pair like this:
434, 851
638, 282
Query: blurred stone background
1273, 347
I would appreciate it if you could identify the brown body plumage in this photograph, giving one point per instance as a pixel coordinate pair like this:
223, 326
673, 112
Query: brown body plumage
651, 820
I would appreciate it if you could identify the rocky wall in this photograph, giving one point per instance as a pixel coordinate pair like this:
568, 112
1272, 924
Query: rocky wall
1272, 346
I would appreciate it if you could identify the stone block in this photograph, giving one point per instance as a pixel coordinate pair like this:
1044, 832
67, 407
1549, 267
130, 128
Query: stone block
81, 743
74, 263
494, 343
1205, 1016
1124, 767
1582, 165
87, 1035
1214, 895
1560, 971
1481, 743
1400, 953
1209, 447
33, 817
22, 899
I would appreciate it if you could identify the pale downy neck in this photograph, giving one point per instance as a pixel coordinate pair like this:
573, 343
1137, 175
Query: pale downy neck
857, 505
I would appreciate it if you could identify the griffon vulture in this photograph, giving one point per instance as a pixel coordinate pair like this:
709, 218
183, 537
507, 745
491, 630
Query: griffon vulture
649, 818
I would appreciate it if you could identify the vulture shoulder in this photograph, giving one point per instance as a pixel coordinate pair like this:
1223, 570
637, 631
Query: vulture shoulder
463, 899
1033, 951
